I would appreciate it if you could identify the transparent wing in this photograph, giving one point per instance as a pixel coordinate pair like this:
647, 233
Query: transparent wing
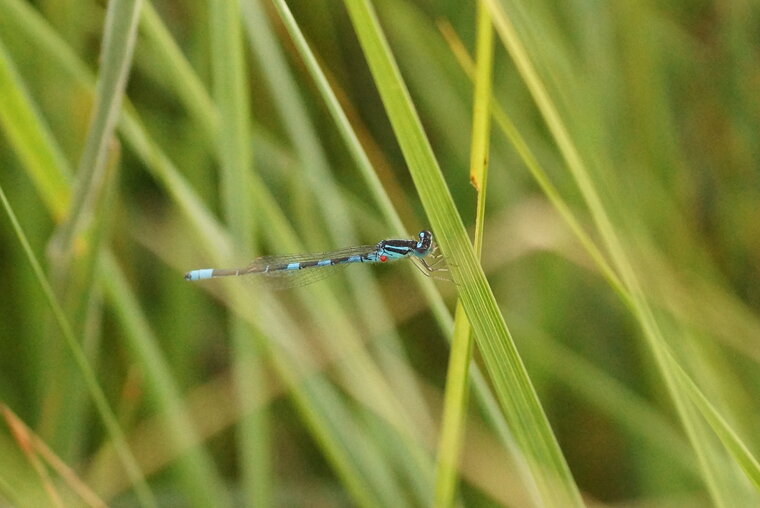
284, 279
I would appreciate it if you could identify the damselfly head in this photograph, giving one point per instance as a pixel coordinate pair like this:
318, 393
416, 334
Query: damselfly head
425, 244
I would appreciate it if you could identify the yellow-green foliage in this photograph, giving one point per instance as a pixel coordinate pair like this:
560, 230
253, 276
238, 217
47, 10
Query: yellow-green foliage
613, 311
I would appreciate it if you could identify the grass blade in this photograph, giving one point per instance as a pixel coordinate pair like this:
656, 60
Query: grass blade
234, 154
675, 379
457, 378
98, 397
518, 399
34, 143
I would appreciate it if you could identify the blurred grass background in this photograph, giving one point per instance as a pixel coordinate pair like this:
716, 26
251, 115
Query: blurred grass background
224, 147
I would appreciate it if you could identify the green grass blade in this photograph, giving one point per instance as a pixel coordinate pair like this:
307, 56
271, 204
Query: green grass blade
74, 247
32, 140
233, 144
202, 485
198, 470
547, 467
55, 175
668, 367
142, 490
359, 461
457, 378
188, 87
116, 59
735, 446
454, 411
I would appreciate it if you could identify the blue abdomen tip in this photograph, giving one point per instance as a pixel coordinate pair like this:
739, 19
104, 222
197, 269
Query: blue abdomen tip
206, 273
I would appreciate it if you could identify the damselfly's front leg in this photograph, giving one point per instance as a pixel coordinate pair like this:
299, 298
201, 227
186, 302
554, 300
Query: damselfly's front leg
430, 270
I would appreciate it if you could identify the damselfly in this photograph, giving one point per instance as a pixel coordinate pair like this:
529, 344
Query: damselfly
280, 272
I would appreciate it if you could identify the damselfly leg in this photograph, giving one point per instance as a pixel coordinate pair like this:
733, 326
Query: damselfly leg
433, 269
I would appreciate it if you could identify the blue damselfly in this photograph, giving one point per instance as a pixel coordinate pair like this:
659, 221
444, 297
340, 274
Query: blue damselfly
280, 272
